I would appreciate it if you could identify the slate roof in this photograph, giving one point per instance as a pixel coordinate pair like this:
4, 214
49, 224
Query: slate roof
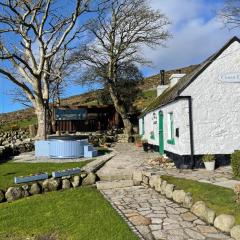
171, 93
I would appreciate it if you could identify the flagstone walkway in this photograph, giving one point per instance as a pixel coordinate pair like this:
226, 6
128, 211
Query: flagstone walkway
155, 217
129, 157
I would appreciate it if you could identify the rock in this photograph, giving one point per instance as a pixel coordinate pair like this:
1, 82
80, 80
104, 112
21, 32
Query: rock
188, 200
235, 232
158, 184
83, 174
152, 180
90, 179
25, 190
200, 209
66, 184
13, 193
179, 196
145, 180
169, 190
163, 187
224, 222
76, 181
51, 184
2, 196
35, 189
137, 177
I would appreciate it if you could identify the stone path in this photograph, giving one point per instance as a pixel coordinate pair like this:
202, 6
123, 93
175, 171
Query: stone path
155, 217
127, 159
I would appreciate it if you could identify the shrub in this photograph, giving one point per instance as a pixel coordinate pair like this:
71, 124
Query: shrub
235, 162
208, 158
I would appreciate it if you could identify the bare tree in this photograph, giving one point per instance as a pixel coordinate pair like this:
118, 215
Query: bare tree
118, 34
34, 36
230, 13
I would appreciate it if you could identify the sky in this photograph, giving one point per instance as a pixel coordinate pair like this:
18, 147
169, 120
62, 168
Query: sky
196, 34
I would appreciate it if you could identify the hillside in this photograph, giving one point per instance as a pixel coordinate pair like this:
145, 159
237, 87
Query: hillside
23, 118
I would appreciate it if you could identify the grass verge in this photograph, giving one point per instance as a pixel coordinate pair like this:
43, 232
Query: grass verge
73, 214
10, 169
220, 199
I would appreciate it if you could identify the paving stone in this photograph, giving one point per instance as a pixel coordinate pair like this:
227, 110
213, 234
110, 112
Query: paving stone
194, 234
159, 235
188, 216
206, 229
140, 220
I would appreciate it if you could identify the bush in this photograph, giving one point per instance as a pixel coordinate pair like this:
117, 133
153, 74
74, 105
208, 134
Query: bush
235, 162
208, 158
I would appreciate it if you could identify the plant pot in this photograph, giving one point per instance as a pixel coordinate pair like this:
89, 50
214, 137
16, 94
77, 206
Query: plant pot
145, 147
210, 166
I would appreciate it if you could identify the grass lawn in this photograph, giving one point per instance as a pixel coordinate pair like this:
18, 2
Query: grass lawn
73, 214
220, 199
11, 169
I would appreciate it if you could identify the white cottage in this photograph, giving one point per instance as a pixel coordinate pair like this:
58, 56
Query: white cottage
198, 113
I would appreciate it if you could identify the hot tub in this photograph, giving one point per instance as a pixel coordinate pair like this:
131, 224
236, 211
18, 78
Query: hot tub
66, 146
61, 147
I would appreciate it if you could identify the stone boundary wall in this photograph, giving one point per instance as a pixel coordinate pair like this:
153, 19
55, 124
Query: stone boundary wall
223, 222
48, 185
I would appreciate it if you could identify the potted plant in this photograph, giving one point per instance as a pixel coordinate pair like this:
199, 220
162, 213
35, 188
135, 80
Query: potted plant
145, 145
209, 162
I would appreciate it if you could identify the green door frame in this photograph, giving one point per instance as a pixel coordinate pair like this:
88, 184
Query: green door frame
161, 133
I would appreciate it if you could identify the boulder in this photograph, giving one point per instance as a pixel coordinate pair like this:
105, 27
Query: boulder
137, 177
200, 209
13, 193
163, 187
51, 184
169, 190
224, 222
90, 179
158, 184
188, 200
25, 190
235, 232
2, 196
179, 196
76, 181
35, 189
153, 180
66, 184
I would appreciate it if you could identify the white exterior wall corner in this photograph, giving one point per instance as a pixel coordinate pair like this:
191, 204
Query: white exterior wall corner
180, 120
216, 105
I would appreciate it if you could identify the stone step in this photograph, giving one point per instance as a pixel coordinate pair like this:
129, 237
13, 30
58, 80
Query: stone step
103, 185
121, 175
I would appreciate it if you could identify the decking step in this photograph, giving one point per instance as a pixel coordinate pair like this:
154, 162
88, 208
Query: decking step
103, 185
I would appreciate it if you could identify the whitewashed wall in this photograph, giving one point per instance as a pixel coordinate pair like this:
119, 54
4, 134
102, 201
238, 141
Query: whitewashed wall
216, 106
180, 120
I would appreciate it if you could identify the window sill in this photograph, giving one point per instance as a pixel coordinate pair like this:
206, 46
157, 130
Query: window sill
171, 141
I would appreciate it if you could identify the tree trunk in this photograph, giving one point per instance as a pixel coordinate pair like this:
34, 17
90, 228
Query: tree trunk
120, 108
40, 112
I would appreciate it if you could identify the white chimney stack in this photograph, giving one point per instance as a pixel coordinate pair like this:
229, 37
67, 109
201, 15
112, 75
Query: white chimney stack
175, 78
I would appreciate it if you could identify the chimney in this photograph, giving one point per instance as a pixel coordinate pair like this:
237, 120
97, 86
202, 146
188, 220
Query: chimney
162, 87
162, 76
174, 78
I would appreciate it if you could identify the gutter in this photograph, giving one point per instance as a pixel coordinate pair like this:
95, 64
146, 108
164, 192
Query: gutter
189, 98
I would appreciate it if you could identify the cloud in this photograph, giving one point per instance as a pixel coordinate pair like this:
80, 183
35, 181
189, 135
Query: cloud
197, 33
